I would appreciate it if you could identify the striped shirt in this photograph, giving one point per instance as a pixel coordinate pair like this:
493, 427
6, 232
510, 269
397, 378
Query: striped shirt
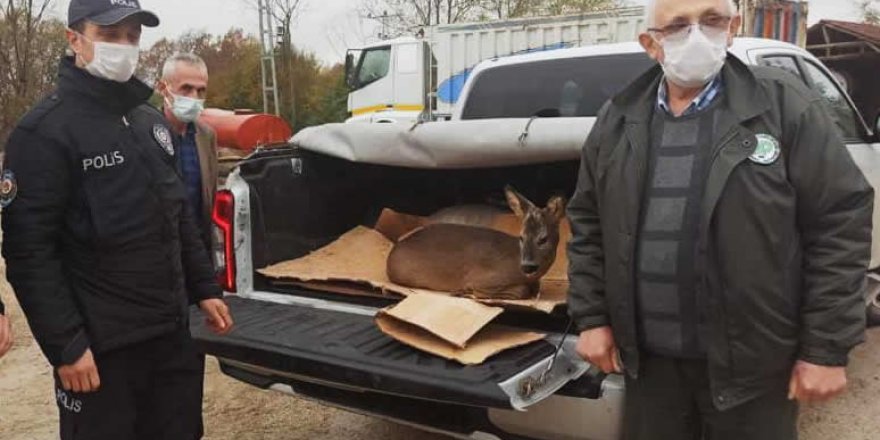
701, 102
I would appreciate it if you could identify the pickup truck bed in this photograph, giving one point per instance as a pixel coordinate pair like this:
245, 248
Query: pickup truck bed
287, 202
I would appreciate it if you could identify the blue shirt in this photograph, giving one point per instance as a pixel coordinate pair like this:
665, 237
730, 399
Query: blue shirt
701, 102
192, 172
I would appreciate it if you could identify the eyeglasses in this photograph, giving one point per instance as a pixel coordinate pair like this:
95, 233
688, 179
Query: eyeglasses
712, 25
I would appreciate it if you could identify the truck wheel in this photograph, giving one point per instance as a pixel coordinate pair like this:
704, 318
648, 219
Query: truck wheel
872, 300
873, 311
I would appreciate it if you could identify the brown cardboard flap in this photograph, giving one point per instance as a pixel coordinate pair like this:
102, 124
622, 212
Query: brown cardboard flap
438, 324
343, 287
359, 257
453, 320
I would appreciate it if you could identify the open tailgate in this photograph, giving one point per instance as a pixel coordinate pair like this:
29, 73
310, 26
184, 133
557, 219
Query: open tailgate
345, 349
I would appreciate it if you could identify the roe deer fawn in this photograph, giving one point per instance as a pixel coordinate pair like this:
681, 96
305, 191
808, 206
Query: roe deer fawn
475, 260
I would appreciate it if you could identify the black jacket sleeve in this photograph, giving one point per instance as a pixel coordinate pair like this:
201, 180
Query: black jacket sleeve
32, 227
201, 284
586, 296
835, 208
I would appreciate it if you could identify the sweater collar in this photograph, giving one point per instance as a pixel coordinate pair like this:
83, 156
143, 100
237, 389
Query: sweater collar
744, 95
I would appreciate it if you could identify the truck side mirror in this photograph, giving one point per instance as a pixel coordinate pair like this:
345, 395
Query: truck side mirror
349, 70
877, 128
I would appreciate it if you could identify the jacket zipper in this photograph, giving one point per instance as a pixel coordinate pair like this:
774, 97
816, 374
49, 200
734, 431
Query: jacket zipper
701, 261
166, 233
640, 169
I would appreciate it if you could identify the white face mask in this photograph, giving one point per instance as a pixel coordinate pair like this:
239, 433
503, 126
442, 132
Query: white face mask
184, 108
112, 61
693, 61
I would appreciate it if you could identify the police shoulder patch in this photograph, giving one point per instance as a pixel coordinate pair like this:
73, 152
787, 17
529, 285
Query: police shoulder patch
163, 137
767, 150
8, 188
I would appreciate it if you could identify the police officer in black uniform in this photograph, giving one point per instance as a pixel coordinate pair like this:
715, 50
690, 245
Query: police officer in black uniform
100, 243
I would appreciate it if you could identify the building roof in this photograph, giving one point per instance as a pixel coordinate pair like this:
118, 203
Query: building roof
863, 31
833, 40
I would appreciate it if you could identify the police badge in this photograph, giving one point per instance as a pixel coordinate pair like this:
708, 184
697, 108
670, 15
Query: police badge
767, 151
163, 137
8, 188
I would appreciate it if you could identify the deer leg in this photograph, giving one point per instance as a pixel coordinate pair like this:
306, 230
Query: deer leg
535, 290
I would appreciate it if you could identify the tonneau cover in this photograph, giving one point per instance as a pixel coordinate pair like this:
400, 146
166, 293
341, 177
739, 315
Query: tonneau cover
451, 144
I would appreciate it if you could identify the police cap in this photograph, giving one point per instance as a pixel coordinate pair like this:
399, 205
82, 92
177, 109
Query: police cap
109, 12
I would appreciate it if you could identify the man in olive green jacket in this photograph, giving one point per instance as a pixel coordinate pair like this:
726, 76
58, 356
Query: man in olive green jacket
721, 236
184, 86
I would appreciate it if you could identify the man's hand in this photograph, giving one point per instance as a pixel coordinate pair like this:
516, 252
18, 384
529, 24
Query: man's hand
5, 335
597, 347
217, 315
815, 383
81, 377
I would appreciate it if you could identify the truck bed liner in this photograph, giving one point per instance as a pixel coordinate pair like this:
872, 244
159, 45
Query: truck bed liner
348, 350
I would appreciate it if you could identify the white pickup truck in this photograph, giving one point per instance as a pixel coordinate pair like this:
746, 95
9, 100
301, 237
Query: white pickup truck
521, 121
408, 78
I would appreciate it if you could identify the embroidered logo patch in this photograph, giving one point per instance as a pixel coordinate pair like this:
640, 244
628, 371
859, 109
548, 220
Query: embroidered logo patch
767, 151
8, 188
163, 137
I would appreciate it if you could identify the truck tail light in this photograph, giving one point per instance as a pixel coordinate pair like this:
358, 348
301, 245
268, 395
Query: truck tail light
224, 251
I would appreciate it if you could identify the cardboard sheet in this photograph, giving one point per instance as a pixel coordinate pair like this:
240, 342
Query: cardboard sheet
452, 320
358, 256
358, 259
453, 328
343, 287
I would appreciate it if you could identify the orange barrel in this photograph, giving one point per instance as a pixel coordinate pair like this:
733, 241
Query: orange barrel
246, 130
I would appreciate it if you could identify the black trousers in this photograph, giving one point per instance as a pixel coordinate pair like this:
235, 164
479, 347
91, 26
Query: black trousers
151, 390
671, 400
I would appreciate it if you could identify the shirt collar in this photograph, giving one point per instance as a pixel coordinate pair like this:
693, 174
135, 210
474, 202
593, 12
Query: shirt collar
701, 102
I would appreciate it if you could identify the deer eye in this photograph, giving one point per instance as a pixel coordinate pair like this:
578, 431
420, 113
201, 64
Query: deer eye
542, 240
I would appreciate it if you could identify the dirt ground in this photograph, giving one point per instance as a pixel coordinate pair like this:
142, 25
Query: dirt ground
237, 411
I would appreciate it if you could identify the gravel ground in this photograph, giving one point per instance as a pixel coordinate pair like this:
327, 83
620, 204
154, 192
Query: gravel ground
237, 411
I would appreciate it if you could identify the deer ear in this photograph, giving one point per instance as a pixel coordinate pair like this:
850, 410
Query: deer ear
517, 202
556, 207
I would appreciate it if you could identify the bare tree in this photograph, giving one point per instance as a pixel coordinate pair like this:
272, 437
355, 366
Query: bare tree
285, 13
501, 9
404, 15
870, 11
30, 47
400, 16
153, 59
559, 7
